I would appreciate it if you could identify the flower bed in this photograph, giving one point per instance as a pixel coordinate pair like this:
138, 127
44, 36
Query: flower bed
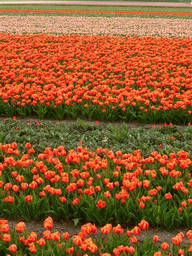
111, 78
97, 26
103, 77
98, 12
100, 187
113, 242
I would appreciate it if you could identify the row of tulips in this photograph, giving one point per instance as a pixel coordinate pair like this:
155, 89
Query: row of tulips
97, 26
99, 186
111, 241
98, 12
98, 77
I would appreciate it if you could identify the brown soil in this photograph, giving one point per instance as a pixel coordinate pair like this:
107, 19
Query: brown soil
68, 226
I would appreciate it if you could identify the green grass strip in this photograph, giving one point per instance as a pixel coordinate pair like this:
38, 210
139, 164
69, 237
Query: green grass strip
96, 8
98, 15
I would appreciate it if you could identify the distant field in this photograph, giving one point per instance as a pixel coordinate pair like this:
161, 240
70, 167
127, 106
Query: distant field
97, 8
178, 1
118, 1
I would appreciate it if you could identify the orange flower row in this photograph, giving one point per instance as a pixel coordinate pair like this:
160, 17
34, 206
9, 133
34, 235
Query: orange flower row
102, 72
81, 240
98, 12
95, 178
126, 73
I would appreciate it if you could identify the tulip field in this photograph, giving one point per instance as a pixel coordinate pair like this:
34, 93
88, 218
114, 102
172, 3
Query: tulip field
121, 64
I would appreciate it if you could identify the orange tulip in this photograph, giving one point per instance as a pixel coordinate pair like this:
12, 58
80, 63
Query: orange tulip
65, 236
101, 204
77, 240
136, 231
47, 235
131, 250
168, 196
107, 194
24, 186
118, 230
116, 252
41, 242
153, 192
15, 188
75, 201
32, 249
28, 145
143, 225
146, 183
28, 198
189, 234
92, 248
20, 227
133, 240
69, 250
4, 228
48, 223
176, 240
106, 229
12, 248
32, 238
55, 236
6, 238
33, 185
155, 238
128, 233
59, 246
141, 205
181, 252
183, 204
164, 246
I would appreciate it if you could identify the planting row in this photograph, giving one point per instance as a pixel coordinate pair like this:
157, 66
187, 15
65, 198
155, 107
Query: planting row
98, 12
111, 241
41, 134
99, 186
96, 77
95, 26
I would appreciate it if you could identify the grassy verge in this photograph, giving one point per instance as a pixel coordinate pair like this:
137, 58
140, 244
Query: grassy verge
96, 8
108, 15
44, 134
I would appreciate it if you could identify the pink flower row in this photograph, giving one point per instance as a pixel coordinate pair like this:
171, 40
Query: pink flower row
168, 4
109, 26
